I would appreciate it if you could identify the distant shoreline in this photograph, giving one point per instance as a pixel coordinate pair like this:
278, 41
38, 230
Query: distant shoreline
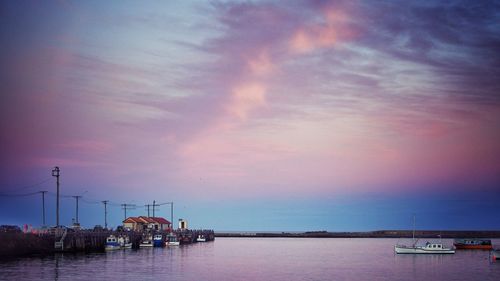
368, 234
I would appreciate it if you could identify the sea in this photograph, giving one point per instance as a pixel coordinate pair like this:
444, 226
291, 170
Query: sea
273, 259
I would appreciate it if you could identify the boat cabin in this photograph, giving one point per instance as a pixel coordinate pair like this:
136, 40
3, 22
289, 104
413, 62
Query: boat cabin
111, 239
433, 246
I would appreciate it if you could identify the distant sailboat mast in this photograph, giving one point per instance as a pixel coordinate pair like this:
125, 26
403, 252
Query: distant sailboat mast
414, 230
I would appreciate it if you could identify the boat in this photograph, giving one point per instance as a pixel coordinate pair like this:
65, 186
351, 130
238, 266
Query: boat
428, 248
112, 243
146, 242
473, 244
495, 255
124, 242
201, 238
172, 240
158, 240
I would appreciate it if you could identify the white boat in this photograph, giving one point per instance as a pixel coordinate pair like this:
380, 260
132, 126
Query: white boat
112, 243
172, 240
428, 248
146, 242
495, 255
201, 238
124, 242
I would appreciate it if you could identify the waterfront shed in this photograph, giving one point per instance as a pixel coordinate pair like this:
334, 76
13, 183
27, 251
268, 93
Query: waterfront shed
143, 223
161, 223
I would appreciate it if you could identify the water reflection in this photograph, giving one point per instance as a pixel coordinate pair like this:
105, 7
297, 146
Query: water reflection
258, 259
56, 266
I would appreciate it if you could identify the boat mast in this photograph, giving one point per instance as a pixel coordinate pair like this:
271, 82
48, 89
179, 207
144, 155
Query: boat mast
413, 229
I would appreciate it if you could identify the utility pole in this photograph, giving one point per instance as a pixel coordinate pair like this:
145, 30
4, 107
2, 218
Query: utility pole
126, 207
43, 206
147, 205
154, 203
77, 197
172, 215
56, 173
105, 202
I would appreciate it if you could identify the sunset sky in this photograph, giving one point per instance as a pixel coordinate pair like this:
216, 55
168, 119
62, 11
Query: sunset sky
253, 115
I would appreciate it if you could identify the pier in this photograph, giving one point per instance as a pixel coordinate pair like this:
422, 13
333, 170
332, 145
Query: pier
26, 244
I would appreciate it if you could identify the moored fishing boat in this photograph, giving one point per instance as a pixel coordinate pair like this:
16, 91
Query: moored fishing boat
124, 242
146, 242
172, 240
158, 240
201, 238
428, 248
481, 244
495, 255
112, 243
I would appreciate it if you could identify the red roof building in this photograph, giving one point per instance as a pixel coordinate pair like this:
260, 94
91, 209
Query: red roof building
144, 223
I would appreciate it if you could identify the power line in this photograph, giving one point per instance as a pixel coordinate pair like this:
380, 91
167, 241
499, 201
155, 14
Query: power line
90, 201
19, 195
126, 207
30, 185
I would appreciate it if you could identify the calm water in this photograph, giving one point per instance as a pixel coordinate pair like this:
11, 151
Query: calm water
260, 259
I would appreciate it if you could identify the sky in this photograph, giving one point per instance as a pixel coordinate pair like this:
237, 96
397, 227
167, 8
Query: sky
253, 115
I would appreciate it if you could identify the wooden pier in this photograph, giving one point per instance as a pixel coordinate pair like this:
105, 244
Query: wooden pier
22, 244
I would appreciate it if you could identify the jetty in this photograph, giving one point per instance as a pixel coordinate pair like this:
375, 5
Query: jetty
367, 234
15, 244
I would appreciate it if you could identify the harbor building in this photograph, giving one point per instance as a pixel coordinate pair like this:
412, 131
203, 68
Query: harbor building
144, 223
183, 224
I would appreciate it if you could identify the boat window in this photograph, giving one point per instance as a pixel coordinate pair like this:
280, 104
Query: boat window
433, 246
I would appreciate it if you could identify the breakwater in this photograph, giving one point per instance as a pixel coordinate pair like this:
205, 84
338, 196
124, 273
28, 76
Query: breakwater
23, 244
368, 234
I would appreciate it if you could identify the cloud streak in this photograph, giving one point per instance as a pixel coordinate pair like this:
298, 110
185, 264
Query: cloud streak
314, 96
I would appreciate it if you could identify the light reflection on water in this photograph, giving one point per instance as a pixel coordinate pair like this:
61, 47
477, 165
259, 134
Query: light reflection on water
259, 259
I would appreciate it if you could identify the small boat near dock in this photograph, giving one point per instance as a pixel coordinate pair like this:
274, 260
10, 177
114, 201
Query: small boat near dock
172, 240
112, 243
124, 242
158, 240
201, 238
147, 242
479, 244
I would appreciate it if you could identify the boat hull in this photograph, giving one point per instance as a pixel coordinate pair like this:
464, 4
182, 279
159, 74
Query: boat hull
473, 247
495, 255
146, 245
172, 243
112, 247
419, 250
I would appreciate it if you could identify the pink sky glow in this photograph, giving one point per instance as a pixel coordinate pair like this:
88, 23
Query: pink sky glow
248, 99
